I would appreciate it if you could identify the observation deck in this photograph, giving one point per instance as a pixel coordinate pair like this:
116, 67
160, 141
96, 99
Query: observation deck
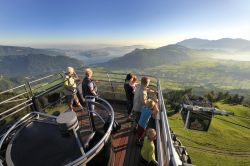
30, 133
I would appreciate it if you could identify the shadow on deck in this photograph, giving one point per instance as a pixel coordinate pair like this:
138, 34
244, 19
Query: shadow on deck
124, 150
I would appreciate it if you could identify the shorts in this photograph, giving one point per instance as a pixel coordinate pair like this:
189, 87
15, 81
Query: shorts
71, 98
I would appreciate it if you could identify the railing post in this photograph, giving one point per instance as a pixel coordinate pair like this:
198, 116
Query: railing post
30, 88
112, 88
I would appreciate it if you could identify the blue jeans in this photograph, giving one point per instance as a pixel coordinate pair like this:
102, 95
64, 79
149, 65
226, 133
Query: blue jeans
90, 105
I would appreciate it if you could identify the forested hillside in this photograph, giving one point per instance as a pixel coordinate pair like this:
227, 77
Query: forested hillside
33, 64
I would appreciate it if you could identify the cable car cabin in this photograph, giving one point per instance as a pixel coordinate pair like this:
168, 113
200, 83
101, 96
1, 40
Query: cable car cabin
195, 118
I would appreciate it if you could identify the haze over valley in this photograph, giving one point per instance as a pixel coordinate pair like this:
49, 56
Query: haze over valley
198, 63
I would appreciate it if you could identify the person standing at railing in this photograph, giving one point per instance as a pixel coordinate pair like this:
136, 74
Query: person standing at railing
70, 88
89, 88
129, 87
140, 98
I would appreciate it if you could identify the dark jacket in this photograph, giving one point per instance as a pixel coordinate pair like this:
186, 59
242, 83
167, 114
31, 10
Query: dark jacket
129, 91
86, 89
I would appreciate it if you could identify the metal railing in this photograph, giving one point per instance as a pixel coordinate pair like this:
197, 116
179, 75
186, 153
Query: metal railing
14, 100
85, 156
98, 147
170, 152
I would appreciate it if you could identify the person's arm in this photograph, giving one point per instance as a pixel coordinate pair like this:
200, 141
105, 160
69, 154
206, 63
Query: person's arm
145, 97
92, 88
93, 92
155, 111
133, 89
76, 78
151, 90
66, 84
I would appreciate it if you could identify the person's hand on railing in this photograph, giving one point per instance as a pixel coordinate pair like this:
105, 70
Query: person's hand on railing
97, 96
155, 99
152, 91
155, 111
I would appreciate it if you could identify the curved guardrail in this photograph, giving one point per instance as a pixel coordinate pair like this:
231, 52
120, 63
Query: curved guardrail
97, 148
85, 156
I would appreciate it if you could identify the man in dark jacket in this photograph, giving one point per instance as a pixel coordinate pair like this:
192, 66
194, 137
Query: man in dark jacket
89, 88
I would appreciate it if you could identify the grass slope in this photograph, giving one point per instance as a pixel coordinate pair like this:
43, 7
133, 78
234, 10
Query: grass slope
223, 144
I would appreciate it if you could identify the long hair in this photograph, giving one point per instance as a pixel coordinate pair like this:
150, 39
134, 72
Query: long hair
128, 77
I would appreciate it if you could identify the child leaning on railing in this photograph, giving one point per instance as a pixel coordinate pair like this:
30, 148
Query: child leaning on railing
149, 110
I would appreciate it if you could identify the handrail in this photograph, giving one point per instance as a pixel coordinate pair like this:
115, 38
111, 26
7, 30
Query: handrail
12, 113
5, 112
47, 83
21, 94
41, 78
158, 142
169, 148
23, 85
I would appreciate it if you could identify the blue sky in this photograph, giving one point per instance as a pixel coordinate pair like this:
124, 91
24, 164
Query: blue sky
120, 22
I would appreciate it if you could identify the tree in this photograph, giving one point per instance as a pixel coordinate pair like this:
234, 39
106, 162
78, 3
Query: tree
235, 99
220, 96
241, 99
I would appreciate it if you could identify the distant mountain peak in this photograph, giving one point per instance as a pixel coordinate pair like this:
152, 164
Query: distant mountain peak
141, 58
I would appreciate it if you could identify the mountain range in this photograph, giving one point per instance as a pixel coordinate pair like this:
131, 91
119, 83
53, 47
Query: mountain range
186, 50
141, 58
226, 44
17, 61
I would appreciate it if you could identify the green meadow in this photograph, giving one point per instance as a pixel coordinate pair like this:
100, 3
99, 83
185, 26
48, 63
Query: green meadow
224, 144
